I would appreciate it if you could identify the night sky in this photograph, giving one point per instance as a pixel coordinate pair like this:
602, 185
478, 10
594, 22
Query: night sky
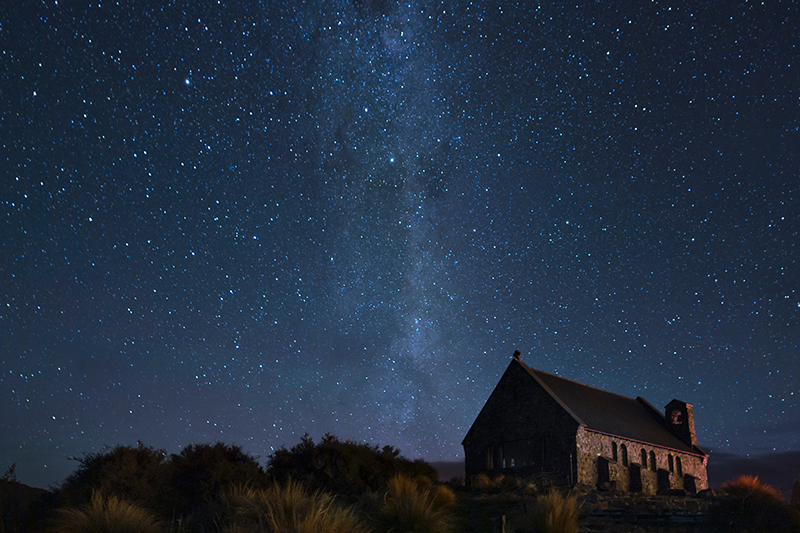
243, 223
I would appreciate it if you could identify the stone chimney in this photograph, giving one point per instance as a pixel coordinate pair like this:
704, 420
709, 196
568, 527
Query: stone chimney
680, 419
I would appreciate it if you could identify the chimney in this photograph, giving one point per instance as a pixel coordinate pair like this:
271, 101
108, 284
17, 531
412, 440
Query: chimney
517, 353
680, 420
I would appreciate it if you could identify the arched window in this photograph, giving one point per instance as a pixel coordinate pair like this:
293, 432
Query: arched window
678, 466
670, 463
653, 461
624, 452
644, 458
614, 451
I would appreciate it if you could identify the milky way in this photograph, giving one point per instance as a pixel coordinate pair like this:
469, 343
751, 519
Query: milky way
247, 223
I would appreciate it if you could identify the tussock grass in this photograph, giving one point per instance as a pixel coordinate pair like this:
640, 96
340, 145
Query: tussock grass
483, 482
443, 497
750, 486
553, 513
288, 508
107, 515
754, 507
409, 506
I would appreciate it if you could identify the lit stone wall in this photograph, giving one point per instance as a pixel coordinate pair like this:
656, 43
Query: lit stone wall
592, 446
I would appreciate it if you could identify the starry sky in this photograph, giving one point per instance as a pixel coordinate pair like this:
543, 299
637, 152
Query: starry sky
246, 221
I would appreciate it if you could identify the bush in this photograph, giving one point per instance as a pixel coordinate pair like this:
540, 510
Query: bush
288, 508
552, 513
178, 487
138, 475
410, 507
753, 506
203, 472
344, 468
107, 515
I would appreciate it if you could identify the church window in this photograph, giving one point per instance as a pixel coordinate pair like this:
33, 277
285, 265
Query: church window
679, 466
653, 461
624, 453
644, 458
614, 451
670, 463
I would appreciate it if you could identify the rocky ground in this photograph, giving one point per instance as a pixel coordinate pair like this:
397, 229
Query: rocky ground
612, 512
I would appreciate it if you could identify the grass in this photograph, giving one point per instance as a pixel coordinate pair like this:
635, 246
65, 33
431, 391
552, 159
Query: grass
552, 513
409, 506
107, 515
288, 508
750, 486
483, 482
754, 507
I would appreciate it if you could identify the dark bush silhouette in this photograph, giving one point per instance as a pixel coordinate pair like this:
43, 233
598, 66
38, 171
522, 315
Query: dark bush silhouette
177, 487
201, 472
345, 468
139, 475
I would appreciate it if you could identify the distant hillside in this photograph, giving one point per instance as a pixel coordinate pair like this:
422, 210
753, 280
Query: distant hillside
776, 469
447, 470
22, 506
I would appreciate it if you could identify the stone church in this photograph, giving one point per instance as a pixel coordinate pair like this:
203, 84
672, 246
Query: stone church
535, 423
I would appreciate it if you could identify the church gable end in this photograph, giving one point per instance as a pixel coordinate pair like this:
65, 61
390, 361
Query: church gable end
521, 426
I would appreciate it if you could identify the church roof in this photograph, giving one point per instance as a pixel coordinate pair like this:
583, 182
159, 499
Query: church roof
613, 414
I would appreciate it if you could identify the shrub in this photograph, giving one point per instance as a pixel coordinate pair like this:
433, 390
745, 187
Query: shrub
107, 515
203, 472
409, 507
552, 513
288, 508
753, 506
138, 475
344, 468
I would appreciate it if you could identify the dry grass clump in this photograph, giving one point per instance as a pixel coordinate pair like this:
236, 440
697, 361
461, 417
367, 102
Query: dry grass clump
288, 508
482, 481
552, 513
409, 506
443, 497
754, 507
747, 486
107, 515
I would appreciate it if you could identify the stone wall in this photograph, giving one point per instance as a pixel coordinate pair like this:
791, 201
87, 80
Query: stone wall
521, 425
596, 460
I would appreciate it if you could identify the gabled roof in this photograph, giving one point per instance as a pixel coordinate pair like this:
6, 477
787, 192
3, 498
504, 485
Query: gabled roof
610, 413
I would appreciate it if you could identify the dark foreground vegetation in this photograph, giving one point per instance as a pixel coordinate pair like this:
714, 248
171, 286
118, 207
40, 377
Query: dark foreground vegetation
344, 487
